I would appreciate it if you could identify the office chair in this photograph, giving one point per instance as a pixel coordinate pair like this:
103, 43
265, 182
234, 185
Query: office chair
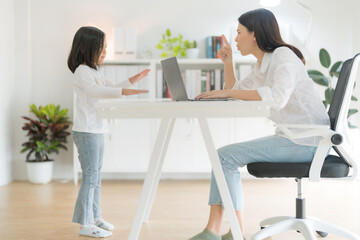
323, 166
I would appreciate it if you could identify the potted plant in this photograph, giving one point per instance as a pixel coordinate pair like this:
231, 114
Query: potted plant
329, 80
171, 46
46, 134
191, 49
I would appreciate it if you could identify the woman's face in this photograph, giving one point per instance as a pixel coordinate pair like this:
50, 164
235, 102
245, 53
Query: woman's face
245, 40
103, 53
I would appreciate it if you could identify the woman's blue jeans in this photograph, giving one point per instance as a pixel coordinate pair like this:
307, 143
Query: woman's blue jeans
91, 149
267, 149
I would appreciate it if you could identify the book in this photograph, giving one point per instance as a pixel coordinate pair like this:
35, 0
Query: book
213, 45
209, 47
159, 83
203, 80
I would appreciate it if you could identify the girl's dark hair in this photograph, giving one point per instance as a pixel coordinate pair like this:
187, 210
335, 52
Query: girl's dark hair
266, 29
86, 48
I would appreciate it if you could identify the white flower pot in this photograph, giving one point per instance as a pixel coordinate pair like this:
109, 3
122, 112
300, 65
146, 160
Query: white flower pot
40, 172
192, 53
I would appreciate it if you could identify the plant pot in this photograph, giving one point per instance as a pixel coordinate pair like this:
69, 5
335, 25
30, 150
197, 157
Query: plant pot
192, 53
40, 172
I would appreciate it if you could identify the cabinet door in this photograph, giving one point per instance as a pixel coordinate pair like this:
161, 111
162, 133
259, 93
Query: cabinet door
187, 152
128, 145
128, 142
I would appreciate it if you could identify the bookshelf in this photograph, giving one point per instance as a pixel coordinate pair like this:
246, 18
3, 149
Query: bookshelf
154, 65
123, 157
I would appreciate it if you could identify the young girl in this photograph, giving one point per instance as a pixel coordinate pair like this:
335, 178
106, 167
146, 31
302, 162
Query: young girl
280, 76
87, 54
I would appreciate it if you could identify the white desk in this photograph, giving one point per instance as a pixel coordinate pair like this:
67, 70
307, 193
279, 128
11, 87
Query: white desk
168, 111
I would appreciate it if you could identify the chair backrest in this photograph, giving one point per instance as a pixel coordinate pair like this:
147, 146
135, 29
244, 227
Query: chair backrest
337, 101
340, 105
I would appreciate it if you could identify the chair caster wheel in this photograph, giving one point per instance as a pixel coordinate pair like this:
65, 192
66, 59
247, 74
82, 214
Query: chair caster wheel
322, 234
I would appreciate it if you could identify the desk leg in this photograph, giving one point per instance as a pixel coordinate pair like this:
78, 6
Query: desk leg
220, 179
158, 170
152, 177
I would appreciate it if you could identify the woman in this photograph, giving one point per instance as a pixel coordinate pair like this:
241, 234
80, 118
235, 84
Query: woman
279, 76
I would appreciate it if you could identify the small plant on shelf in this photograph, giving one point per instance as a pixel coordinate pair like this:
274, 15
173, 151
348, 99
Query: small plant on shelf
171, 46
189, 44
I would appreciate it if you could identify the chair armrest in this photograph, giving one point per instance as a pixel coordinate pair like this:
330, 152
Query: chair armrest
328, 138
310, 126
323, 131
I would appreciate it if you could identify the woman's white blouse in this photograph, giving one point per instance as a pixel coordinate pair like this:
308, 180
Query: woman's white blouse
282, 78
89, 87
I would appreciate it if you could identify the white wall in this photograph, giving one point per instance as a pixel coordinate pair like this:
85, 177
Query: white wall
23, 80
7, 89
356, 50
52, 24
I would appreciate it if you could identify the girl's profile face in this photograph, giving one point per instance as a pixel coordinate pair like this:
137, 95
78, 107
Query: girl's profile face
245, 40
103, 53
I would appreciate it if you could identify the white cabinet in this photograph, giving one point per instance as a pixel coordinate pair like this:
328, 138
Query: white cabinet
129, 143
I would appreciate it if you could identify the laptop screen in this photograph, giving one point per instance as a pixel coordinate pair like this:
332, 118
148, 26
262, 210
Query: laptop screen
174, 79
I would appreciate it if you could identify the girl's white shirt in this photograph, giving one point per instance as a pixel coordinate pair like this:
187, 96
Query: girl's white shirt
282, 78
89, 87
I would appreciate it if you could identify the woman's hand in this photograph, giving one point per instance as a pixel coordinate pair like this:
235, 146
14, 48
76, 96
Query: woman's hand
139, 76
215, 94
127, 92
225, 51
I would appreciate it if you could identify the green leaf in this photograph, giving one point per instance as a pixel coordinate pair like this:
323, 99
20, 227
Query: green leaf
159, 46
352, 111
177, 49
168, 33
325, 104
336, 68
35, 110
57, 108
173, 40
40, 146
163, 55
329, 93
353, 98
336, 74
25, 149
324, 58
318, 77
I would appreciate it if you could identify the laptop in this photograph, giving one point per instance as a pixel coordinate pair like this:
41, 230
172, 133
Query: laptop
176, 84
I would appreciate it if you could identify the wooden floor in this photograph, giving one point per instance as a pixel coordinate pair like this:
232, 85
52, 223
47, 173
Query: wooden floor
44, 212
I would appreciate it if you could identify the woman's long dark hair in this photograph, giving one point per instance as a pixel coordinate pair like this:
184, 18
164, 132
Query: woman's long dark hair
266, 29
86, 48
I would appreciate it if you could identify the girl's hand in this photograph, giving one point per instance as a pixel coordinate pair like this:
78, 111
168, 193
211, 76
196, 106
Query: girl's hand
127, 92
225, 51
214, 94
139, 76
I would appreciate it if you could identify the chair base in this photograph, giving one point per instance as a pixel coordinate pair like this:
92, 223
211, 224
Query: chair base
306, 227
